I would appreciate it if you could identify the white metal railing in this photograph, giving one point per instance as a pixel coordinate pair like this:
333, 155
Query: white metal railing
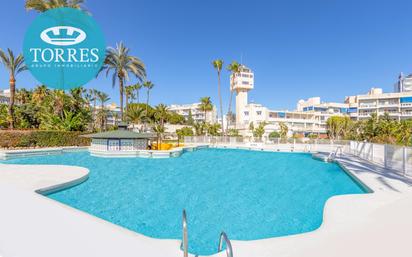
393, 157
398, 158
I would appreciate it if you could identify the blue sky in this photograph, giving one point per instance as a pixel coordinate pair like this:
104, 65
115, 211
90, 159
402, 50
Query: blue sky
297, 49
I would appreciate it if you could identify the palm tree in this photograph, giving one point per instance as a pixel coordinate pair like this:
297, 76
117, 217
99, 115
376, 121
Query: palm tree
205, 105
39, 93
58, 101
148, 85
283, 130
137, 88
95, 95
136, 114
44, 5
77, 97
129, 95
161, 113
103, 98
160, 130
14, 65
234, 68
121, 63
218, 64
22, 96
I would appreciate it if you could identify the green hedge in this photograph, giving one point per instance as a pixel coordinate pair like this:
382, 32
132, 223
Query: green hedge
39, 138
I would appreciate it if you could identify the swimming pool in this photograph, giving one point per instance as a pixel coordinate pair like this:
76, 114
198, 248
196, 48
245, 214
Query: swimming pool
248, 194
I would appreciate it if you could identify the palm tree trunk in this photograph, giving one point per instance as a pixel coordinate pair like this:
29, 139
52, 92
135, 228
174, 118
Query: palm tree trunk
220, 100
94, 111
12, 83
147, 107
102, 121
230, 104
127, 103
121, 96
205, 116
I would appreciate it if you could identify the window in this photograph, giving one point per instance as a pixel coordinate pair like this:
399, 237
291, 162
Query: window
245, 82
246, 113
259, 112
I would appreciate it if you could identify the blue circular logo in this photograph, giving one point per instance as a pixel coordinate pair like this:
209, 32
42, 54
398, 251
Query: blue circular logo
64, 48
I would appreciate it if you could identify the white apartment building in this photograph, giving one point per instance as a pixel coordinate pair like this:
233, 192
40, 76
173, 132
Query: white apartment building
193, 109
4, 96
310, 117
398, 105
114, 116
404, 84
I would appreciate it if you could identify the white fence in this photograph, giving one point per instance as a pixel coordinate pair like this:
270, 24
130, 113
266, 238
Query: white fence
392, 157
298, 145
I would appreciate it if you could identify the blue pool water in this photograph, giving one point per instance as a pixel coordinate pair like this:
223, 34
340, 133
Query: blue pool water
247, 194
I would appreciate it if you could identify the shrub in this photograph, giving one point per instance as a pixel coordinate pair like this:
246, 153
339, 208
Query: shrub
274, 134
39, 138
313, 136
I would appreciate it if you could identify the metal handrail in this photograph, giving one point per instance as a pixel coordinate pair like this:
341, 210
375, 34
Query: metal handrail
229, 250
184, 241
332, 155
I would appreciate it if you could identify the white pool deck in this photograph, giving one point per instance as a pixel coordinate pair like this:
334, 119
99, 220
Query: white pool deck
376, 224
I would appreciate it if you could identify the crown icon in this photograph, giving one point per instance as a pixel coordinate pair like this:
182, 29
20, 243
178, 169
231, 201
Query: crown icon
63, 35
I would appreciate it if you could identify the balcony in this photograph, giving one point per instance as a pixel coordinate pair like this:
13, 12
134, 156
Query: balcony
390, 113
367, 106
388, 105
406, 114
365, 114
406, 105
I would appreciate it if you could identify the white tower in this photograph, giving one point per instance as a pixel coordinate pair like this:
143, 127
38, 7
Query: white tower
241, 84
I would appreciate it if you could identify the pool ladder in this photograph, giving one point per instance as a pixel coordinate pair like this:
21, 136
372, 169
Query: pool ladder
223, 237
332, 155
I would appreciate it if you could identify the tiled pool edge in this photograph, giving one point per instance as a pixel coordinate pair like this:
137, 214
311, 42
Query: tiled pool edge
173, 153
63, 186
19, 153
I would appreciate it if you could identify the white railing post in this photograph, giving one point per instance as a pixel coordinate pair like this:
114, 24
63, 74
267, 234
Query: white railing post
372, 145
385, 156
404, 159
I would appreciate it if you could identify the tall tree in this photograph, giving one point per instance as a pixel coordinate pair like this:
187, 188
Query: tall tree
205, 106
234, 68
161, 113
14, 65
39, 93
44, 5
218, 64
283, 130
103, 98
23, 96
121, 63
136, 114
148, 85
129, 95
137, 88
